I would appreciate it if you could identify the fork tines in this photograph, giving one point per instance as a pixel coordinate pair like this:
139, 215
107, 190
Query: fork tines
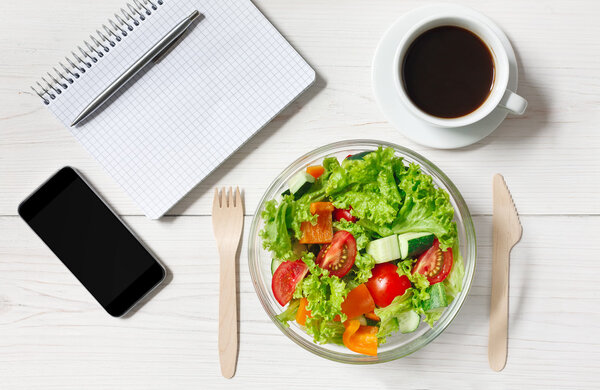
225, 198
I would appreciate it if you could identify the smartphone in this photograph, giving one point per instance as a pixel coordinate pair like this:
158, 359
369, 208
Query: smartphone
92, 241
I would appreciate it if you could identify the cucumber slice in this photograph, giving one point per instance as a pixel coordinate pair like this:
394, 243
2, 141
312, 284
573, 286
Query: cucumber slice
275, 263
413, 244
408, 321
438, 299
358, 156
371, 322
384, 249
286, 192
300, 183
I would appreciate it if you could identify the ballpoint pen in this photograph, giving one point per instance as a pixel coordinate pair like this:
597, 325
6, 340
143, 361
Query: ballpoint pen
151, 54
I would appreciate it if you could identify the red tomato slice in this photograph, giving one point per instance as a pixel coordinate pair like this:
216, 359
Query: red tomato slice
434, 263
338, 257
385, 284
339, 214
286, 278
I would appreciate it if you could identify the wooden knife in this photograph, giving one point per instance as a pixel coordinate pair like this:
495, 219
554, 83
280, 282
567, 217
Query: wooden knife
507, 232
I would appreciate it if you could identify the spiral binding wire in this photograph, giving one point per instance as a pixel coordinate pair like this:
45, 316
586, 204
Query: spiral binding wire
135, 12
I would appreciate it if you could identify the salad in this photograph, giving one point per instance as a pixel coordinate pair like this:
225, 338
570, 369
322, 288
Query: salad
362, 249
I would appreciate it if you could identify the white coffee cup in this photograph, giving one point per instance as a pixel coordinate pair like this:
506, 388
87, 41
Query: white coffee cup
499, 94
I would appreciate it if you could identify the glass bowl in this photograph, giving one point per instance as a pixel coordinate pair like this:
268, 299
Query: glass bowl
398, 345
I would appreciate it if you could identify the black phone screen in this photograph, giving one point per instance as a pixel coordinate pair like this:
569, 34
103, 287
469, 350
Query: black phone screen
91, 241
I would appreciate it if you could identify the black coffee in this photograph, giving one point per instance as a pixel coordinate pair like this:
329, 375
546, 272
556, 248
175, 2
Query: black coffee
448, 72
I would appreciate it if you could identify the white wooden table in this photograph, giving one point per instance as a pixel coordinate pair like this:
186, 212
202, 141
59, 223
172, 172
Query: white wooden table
54, 336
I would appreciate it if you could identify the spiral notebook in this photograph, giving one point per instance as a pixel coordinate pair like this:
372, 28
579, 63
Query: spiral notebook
179, 119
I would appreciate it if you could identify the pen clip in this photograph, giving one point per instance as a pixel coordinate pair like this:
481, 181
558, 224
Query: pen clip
162, 54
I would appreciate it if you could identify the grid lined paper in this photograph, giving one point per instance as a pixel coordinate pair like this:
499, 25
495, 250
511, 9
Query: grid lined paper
177, 120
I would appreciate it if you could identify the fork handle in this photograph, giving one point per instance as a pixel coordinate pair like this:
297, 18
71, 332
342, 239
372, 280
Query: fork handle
498, 337
228, 324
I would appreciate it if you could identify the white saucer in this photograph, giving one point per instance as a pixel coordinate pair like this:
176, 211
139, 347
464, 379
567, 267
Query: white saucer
397, 113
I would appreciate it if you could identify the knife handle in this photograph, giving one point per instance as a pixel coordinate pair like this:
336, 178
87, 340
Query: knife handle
498, 337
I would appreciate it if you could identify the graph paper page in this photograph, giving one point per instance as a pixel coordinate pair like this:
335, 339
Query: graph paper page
177, 120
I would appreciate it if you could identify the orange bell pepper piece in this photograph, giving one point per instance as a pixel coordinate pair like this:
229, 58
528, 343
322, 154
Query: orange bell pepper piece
372, 316
322, 232
302, 313
358, 301
359, 338
315, 171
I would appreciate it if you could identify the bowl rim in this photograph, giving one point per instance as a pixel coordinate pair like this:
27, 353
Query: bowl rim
441, 324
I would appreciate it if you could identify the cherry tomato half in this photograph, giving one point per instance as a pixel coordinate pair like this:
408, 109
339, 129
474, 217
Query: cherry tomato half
434, 263
339, 214
385, 284
286, 278
338, 257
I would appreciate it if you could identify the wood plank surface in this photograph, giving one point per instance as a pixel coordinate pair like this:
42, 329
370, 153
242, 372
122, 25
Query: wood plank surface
52, 333
559, 75
54, 336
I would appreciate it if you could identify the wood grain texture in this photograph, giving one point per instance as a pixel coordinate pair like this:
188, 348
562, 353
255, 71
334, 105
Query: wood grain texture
52, 333
54, 336
228, 220
559, 75
506, 232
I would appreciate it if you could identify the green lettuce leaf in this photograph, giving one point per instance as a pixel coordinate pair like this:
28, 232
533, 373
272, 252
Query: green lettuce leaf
364, 264
425, 207
325, 295
316, 193
361, 235
361, 272
282, 223
275, 233
389, 315
418, 281
372, 206
325, 331
368, 185
453, 282
289, 314
432, 316
283, 219
376, 231
376, 167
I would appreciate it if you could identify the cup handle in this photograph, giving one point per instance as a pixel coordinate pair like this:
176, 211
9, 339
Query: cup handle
513, 103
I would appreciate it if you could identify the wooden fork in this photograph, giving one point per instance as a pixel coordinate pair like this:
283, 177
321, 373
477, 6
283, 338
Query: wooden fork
227, 219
